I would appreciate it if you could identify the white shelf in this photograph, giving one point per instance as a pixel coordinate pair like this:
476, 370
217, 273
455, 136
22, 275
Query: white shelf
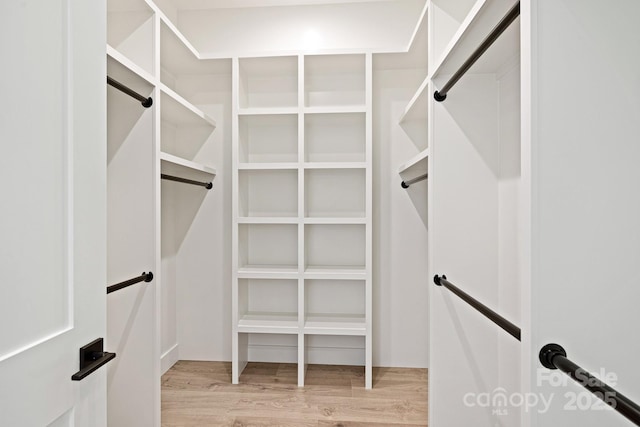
335, 109
273, 323
267, 111
416, 165
126, 71
268, 272
267, 166
180, 112
336, 273
417, 108
175, 163
268, 220
483, 17
335, 220
335, 324
335, 165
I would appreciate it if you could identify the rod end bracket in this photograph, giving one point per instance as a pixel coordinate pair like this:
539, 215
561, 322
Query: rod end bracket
436, 279
404, 185
548, 352
148, 276
148, 103
209, 185
438, 97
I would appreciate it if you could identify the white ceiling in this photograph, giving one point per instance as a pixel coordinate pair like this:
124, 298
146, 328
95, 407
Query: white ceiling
216, 4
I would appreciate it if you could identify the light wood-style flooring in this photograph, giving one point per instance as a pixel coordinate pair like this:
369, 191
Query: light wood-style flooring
201, 394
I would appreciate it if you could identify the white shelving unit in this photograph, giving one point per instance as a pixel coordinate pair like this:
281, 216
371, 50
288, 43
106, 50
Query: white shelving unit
301, 205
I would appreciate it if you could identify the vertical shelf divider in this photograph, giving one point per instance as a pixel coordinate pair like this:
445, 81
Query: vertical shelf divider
302, 362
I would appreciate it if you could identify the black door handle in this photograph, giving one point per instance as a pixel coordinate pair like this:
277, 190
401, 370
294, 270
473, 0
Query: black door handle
92, 357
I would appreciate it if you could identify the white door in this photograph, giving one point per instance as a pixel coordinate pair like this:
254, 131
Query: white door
52, 210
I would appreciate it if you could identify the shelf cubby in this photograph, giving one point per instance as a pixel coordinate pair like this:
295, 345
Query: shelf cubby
268, 193
268, 138
185, 130
335, 137
130, 31
266, 249
335, 193
334, 80
335, 248
268, 305
268, 82
335, 307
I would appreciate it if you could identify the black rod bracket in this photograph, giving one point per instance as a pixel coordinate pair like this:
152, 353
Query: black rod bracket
548, 352
438, 97
553, 356
92, 357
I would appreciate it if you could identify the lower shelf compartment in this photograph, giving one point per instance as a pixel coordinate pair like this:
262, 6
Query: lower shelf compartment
335, 324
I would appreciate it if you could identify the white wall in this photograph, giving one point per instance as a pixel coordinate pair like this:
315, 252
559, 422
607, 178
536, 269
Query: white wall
358, 27
582, 175
400, 271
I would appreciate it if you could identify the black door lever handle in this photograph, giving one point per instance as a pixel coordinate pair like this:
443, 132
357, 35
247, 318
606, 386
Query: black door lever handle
92, 357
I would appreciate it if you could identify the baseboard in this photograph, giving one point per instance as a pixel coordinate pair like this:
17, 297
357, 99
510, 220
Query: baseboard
169, 358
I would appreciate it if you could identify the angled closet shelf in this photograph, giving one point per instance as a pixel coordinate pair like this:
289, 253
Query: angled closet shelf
413, 119
496, 32
144, 277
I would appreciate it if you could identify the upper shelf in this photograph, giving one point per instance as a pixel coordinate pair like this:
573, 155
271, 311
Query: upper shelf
120, 68
178, 111
482, 18
415, 166
417, 108
130, 31
182, 168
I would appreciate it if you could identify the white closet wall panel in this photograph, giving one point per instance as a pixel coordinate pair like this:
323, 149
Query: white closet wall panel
130, 252
401, 273
583, 284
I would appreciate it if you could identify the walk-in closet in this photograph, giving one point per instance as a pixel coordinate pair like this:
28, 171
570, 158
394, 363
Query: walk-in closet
319, 213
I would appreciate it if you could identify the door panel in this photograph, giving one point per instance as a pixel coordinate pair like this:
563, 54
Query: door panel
52, 221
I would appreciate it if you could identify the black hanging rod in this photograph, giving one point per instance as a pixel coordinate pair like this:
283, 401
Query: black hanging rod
145, 277
146, 102
441, 95
553, 356
512, 329
406, 184
207, 185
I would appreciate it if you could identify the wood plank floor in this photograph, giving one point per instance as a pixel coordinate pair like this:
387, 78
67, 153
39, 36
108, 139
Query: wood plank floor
201, 394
